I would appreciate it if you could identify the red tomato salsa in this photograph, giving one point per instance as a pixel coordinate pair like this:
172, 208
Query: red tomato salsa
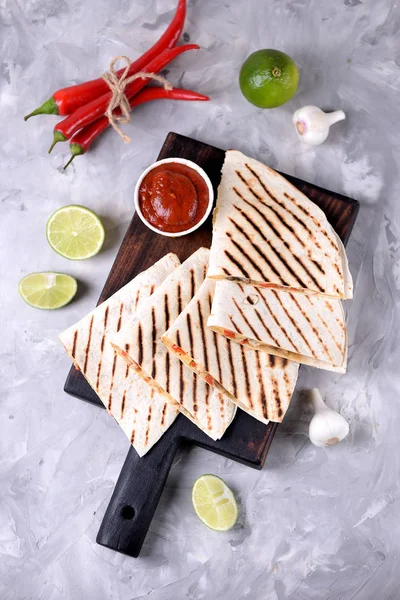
173, 197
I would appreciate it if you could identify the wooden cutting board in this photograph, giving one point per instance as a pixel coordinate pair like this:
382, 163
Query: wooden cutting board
142, 480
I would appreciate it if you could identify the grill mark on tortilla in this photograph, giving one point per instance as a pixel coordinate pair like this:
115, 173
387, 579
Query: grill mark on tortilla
235, 325
270, 245
102, 347
121, 308
244, 253
262, 398
287, 384
238, 265
137, 298
231, 363
338, 345
314, 220
164, 410
123, 404
203, 335
286, 208
167, 356
179, 299
221, 406
112, 381
338, 270
189, 324
140, 344
167, 371
284, 223
74, 344
194, 379
166, 312
192, 283
127, 346
146, 439
246, 377
267, 329
275, 390
274, 199
217, 355
209, 302
255, 246
85, 364
259, 231
297, 328
153, 343
153, 287
133, 436
271, 360
245, 319
280, 326
205, 267
181, 380
315, 331
113, 370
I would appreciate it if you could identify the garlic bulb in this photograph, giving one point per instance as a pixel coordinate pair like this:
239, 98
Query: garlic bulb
327, 427
312, 124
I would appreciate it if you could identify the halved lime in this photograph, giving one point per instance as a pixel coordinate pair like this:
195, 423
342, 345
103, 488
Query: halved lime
47, 290
75, 232
214, 503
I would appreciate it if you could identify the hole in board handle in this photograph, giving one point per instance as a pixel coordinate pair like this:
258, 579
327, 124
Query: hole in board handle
127, 512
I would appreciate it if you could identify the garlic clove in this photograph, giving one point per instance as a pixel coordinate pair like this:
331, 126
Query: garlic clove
327, 427
312, 124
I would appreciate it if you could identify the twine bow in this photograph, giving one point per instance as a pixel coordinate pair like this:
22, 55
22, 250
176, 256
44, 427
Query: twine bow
119, 98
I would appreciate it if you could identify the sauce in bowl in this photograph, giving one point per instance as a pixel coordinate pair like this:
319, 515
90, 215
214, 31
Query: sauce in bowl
173, 197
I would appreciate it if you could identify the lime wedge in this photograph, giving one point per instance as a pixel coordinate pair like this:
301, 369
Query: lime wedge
214, 503
47, 290
75, 232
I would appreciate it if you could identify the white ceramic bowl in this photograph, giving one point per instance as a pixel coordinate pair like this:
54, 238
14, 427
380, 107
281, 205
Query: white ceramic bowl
195, 167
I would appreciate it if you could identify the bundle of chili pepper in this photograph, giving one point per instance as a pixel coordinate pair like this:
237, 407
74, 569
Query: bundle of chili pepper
85, 104
96, 108
67, 100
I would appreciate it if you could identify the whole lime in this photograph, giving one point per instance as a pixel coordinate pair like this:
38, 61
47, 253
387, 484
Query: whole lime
268, 78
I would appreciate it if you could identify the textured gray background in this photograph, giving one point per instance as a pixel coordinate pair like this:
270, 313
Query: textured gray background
315, 524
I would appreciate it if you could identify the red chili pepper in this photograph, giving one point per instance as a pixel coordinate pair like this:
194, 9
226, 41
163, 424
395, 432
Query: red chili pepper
67, 100
96, 108
82, 140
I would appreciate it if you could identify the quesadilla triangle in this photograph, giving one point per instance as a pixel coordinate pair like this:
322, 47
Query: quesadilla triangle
307, 329
267, 233
260, 384
142, 413
139, 342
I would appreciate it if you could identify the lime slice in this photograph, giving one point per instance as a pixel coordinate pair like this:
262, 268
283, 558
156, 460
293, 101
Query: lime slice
75, 232
214, 503
47, 290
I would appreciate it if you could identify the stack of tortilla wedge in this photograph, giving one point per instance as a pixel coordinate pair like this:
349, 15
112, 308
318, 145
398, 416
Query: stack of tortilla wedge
228, 327
280, 269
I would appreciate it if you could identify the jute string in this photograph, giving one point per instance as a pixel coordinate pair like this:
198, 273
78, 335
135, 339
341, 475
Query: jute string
119, 98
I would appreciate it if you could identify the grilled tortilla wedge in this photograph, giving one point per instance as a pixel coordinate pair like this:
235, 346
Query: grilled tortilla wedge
267, 233
304, 328
260, 384
142, 413
139, 342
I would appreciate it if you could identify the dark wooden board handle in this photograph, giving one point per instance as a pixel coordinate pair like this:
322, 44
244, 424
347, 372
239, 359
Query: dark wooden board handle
125, 525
